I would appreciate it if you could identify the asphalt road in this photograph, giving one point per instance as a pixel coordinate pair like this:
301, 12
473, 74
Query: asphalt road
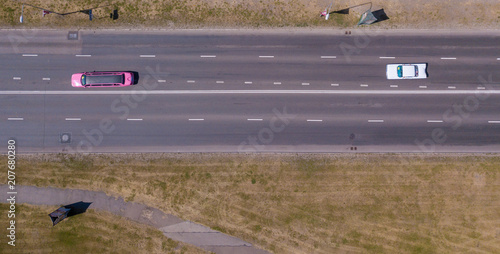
251, 91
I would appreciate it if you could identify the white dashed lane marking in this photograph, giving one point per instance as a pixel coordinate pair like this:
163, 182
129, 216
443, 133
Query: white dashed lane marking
375, 121
277, 83
83, 55
16, 78
481, 87
191, 81
448, 58
45, 78
328, 57
196, 119
494, 121
73, 119
423, 87
363, 85
134, 119
305, 84
314, 120
434, 121
266, 56
208, 56
387, 57
335, 84
30, 55
248, 82
219, 82
162, 81
394, 86
254, 119
147, 55
15, 118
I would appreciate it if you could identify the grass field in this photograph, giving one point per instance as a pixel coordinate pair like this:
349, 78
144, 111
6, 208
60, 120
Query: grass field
90, 232
303, 203
250, 14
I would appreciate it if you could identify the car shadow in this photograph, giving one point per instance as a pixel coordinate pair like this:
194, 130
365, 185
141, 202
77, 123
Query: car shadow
136, 77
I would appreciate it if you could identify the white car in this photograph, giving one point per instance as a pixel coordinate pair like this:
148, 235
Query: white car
407, 71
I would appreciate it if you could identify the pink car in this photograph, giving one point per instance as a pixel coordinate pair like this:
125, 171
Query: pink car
102, 79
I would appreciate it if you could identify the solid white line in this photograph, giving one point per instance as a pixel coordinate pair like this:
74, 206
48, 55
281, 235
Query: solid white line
314, 120
73, 119
387, 57
134, 119
305, 84
196, 119
83, 55
434, 121
248, 82
375, 121
328, 57
208, 56
364, 85
277, 83
16, 78
191, 81
175, 92
448, 58
254, 119
422, 87
335, 84
266, 56
30, 55
394, 85
219, 82
493, 121
45, 78
147, 55
15, 118
162, 81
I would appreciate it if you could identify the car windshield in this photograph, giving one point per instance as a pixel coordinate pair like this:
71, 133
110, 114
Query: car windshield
400, 71
83, 79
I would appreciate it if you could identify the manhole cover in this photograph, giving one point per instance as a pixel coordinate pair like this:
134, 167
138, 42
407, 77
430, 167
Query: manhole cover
352, 136
65, 138
73, 35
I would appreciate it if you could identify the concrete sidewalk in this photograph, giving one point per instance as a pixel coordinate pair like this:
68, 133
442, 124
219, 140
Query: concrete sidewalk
171, 226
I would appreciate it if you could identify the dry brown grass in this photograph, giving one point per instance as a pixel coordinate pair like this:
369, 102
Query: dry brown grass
252, 13
303, 203
90, 232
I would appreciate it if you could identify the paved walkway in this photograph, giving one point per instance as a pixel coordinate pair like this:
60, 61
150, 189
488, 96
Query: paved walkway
171, 226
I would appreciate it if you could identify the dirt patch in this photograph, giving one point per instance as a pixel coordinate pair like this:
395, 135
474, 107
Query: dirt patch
251, 14
303, 203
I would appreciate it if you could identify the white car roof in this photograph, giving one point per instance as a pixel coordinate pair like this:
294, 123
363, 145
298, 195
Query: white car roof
408, 71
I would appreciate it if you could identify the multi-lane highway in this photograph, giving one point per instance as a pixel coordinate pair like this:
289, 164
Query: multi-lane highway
251, 91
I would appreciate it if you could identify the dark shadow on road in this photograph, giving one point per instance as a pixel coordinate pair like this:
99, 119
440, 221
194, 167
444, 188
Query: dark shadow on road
77, 208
